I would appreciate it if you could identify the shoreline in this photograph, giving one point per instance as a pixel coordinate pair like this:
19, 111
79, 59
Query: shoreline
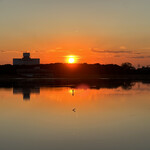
102, 77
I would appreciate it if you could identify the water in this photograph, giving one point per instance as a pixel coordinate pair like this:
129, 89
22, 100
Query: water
105, 117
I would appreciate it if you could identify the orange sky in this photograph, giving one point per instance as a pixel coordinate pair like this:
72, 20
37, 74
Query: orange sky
96, 31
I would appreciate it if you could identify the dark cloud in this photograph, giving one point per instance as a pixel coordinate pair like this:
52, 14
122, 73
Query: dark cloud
111, 51
117, 56
3, 51
140, 57
137, 53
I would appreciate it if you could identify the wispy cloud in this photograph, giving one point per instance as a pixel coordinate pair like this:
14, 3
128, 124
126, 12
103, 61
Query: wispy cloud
2, 51
139, 57
11, 51
138, 53
112, 51
123, 47
117, 56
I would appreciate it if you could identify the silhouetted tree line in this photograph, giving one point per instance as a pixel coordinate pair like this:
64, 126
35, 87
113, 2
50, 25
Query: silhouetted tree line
61, 70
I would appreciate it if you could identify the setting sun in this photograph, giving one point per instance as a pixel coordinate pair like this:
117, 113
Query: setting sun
71, 60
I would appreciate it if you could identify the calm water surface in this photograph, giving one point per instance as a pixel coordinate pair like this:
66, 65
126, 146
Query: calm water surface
41, 118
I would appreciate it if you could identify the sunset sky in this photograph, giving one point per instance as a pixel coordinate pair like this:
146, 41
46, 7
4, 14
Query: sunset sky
96, 31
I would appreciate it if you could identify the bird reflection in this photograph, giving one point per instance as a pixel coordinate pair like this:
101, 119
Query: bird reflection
74, 109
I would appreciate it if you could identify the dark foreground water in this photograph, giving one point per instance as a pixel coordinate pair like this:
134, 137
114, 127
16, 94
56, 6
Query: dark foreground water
75, 117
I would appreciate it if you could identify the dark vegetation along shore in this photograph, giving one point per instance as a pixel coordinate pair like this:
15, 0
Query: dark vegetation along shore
84, 71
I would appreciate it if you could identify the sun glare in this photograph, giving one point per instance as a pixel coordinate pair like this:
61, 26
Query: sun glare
71, 59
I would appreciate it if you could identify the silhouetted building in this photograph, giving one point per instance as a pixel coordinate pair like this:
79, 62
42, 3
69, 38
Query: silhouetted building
26, 60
